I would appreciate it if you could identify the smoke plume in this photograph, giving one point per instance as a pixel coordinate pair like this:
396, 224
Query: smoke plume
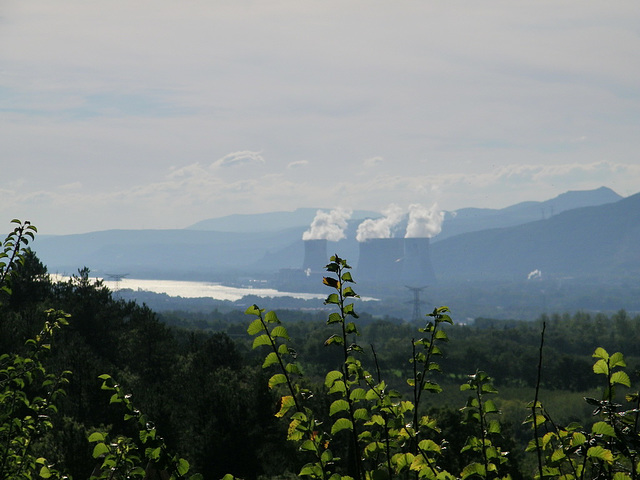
535, 275
423, 221
328, 225
380, 227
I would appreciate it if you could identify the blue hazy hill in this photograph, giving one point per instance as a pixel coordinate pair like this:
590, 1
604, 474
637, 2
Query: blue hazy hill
598, 244
474, 219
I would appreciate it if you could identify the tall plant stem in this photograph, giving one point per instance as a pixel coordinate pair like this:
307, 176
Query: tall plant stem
345, 348
535, 402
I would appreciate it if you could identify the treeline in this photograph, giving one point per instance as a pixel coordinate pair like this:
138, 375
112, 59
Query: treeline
197, 376
507, 349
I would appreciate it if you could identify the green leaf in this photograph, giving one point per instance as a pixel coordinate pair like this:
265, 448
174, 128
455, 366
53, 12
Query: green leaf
376, 420
280, 331
489, 407
621, 476
338, 406
429, 446
578, 439
270, 359
348, 310
474, 469
293, 368
617, 360
286, 403
261, 340
311, 470
333, 299
358, 394
271, 317
346, 277
255, 327
441, 335
338, 387
601, 367
494, 427
277, 379
309, 446
620, 378
154, 453
361, 414
603, 428
351, 328
284, 350
372, 395
600, 453
600, 353
432, 387
183, 467
100, 449
488, 388
334, 318
402, 460
337, 339
96, 437
348, 292
326, 456
341, 424
253, 310
331, 377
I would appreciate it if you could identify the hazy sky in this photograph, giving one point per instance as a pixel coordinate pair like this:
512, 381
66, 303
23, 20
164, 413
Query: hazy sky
158, 114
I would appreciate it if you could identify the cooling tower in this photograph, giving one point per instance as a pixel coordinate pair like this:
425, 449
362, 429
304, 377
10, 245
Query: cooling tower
417, 270
380, 260
315, 255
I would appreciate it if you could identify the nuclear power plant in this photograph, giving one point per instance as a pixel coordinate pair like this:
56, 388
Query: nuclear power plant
417, 270
315, 255
395, 261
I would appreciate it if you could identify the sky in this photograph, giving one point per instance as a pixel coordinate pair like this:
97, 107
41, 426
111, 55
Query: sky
159, 114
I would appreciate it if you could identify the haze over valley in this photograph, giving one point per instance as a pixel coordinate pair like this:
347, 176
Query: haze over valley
579, 239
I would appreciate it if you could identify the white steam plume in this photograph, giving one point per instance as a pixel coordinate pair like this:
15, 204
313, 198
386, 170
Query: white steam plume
328, 225
536, 274
380, 227
423, 221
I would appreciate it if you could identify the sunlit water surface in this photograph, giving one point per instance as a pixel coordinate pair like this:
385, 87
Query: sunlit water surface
184, 289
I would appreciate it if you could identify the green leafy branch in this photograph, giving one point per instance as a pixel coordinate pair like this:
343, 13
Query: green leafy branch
477, 410
12, 250
28, 395
121, 457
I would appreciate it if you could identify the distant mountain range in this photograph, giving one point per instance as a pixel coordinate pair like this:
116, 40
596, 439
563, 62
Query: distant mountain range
597, 243
587, 234
269, 222
474, 219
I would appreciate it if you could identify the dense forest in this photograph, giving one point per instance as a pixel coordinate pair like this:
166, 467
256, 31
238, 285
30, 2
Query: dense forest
205, 394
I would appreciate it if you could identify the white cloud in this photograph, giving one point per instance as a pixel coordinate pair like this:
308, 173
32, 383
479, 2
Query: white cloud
298, 164
239, 158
